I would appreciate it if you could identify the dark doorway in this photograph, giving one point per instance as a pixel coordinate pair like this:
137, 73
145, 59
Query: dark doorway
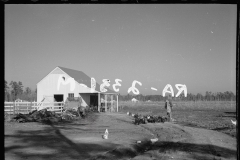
93, 100
58, 98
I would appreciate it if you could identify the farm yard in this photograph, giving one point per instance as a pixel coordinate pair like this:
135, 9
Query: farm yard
120, 82
201, 130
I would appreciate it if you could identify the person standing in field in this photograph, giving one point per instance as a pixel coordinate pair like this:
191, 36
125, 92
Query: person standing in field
168, 106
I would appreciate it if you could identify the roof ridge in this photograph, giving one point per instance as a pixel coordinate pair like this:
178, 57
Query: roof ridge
70, 69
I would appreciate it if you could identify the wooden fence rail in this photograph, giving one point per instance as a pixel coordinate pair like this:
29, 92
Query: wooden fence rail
26, 107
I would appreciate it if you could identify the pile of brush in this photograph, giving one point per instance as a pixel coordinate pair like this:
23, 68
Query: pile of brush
69, 114
46, 116
43, 115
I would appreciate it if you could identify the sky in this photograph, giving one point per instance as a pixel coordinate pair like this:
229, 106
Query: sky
155, 44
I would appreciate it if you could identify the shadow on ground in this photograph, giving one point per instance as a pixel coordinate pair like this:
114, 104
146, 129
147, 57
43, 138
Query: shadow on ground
198, 151
50, 143
195, 151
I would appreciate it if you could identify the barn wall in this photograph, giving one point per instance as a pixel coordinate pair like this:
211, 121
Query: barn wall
48, 87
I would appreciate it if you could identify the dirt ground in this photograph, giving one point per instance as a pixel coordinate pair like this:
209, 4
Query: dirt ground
82, 139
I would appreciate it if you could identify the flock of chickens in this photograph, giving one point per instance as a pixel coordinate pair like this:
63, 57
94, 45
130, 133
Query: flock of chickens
144, 119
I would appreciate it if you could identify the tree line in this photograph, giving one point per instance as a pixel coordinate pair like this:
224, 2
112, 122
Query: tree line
209, 96
15, 90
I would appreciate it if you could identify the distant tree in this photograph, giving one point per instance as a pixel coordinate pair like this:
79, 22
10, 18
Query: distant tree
222, 95
28, 95
206, 96
232, 96
190, 97
209, 96
140, 97
194, 97
218, 98
213, 96
199, 97
6, 94
128, 97
17, 89
147, 97
6, 86
28, 91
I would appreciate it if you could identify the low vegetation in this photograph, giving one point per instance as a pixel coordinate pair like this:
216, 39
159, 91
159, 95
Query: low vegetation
214, 115
179, 105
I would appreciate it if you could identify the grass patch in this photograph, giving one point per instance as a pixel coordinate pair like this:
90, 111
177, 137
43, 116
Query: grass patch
214, 115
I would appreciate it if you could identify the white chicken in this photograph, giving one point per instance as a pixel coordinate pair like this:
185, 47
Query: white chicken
154, 140
234, 122
105, 136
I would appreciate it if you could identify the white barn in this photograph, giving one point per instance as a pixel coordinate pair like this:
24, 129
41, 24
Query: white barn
63, 83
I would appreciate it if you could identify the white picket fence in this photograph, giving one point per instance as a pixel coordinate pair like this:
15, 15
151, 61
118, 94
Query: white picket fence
26, 107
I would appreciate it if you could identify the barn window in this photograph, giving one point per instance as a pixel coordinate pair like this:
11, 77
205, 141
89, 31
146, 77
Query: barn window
70, 96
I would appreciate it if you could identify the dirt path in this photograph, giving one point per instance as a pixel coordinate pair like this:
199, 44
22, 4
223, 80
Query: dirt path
180, 142
83, 140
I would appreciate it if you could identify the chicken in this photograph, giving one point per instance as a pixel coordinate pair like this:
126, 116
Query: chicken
234, 122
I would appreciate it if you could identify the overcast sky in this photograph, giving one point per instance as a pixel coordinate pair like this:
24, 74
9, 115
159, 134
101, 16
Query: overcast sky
155, 44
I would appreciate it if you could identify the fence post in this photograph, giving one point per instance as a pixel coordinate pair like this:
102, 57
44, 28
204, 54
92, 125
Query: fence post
31, 105
111, 103
117, 102
99, 102
105, 103
62, 106
14, 108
